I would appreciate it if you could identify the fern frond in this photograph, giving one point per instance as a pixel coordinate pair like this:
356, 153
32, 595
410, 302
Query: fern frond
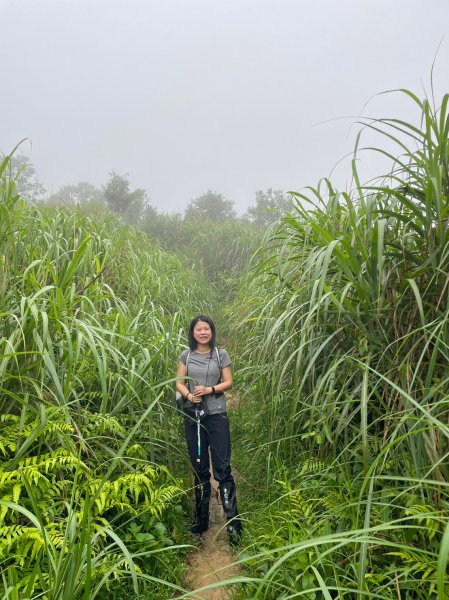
60, 458
9, 418
100, 424
25, 540
419, 564
426, 515
311, 465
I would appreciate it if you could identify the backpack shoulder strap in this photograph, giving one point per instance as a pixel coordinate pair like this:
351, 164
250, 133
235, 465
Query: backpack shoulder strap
187, 383
218, 357
220, 377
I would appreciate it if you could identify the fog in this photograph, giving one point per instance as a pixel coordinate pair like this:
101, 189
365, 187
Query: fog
190, 95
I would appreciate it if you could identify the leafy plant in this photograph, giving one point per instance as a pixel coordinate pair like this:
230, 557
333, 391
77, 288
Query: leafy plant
91, 325
343, 322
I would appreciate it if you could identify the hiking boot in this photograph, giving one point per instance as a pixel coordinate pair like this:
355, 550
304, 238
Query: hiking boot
200, 526
235, 533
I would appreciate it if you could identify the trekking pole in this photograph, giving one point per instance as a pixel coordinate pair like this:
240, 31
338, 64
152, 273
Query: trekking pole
198, 458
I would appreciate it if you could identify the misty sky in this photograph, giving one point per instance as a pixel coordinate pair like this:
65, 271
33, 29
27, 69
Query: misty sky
191, 95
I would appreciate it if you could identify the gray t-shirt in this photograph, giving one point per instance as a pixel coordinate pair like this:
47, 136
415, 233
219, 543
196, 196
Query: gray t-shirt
205, 370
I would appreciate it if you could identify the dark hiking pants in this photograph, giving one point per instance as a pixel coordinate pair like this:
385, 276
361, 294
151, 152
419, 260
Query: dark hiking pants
214, 434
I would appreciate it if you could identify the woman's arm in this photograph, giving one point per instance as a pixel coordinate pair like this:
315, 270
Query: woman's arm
180, 383
226, 384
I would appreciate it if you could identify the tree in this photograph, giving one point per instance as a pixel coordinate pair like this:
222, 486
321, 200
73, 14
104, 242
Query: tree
269, 207
119, 198
210, 206
25, 174
76, 194
149, 218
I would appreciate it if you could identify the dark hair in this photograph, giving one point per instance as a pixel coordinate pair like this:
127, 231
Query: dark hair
205, 319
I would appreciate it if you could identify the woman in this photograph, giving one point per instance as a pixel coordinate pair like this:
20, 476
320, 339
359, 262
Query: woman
204, 373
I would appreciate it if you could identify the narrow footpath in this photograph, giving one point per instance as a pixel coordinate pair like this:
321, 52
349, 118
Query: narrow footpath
214, 560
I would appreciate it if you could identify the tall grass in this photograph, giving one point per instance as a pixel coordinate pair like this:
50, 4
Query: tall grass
91, 324
222, 249
345, 331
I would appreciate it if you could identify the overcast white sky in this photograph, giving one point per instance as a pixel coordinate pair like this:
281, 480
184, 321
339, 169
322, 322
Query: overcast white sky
191, 95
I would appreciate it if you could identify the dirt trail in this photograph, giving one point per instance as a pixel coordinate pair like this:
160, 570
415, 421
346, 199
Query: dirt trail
212, 562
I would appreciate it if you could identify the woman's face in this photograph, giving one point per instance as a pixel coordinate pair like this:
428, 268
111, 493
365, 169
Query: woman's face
202, 332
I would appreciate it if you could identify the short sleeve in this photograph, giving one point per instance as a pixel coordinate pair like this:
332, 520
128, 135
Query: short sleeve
224, 358
183, 357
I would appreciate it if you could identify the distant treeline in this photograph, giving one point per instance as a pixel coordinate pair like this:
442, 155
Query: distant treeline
209, 232
135, 205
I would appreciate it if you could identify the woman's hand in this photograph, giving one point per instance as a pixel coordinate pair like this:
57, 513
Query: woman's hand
194, 399
199, 391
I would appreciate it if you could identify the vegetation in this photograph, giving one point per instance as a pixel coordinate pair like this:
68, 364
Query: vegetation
121, 200
211, 206
24, 174
222, 250
270, 206
90, 329
345, 329
339, 333
73, 195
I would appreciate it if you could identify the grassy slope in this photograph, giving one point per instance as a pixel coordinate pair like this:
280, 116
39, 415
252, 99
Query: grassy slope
343, 331
92, 318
